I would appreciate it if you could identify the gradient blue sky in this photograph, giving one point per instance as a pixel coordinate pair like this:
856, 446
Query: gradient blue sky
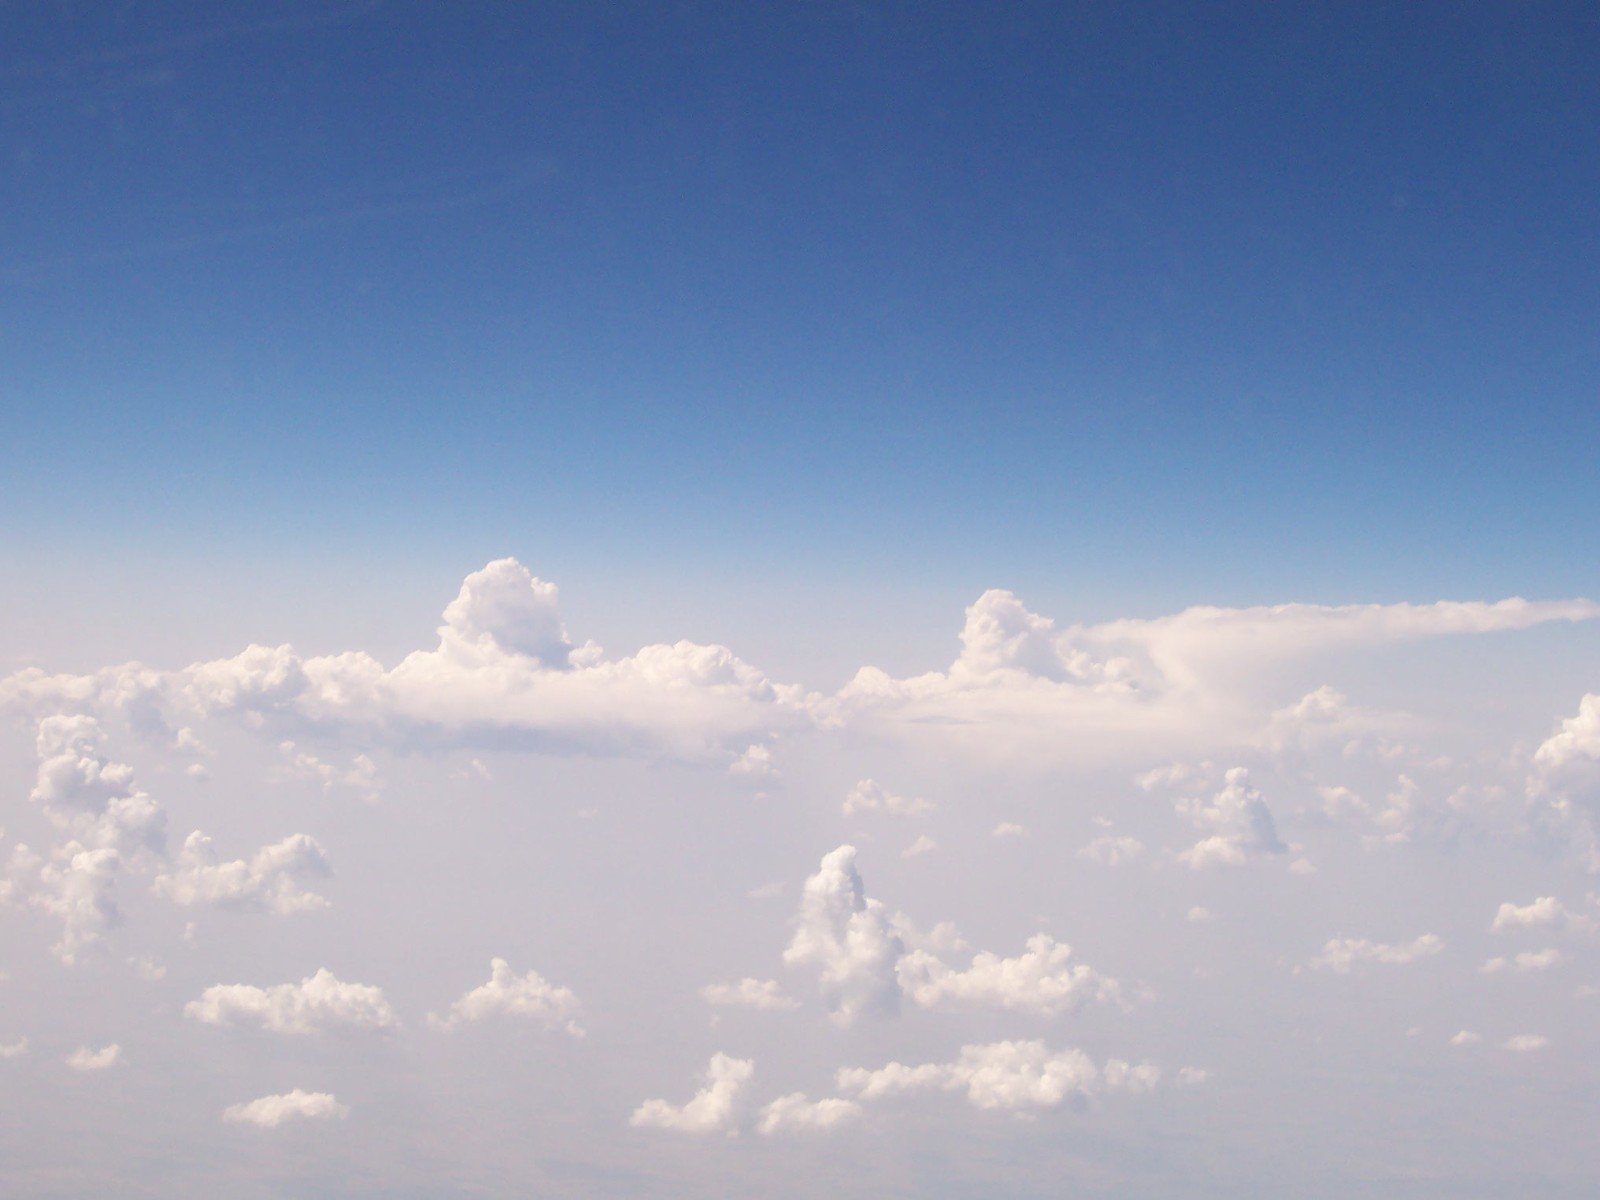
1207, 301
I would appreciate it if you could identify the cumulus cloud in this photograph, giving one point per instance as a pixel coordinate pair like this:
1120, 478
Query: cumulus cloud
923, 845
1008, 1076
796, 1112
1341, 954
712, 1109
1528, 960
76, 885
1573, 751
89, 795
1241, 824
271, 880
1546, 912
14, 1049
529, 997
1009, 829
1042, 980
85, 1059
269, 1112
848, 938
1191, 1076
317, 1003
868, 796
764, 994
1466, 1037
1524, 1043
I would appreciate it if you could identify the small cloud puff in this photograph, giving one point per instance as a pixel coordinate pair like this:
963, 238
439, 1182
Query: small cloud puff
1341, 954
796, 1112
764, 994
528, 996
85, 1059
867, 796
1006, 1076
712, 1109
269, 1112
317, 1003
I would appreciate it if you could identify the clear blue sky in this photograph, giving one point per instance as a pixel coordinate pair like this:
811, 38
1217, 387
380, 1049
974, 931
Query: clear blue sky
1272, 301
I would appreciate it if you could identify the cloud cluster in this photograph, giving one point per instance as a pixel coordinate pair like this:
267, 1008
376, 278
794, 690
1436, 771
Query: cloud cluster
316, 1004
272, 880
1009, 1076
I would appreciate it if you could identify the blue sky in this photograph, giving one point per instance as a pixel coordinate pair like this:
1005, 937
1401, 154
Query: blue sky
1251, 302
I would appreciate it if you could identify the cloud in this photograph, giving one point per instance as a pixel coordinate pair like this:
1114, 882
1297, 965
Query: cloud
849, 939
1198, 915
712, 1109
528, 996
1524, 1043
314, 1005
1008, 829
1546, 912
269, 1112
1466, 1037
76, 885
867, 796
1112, 851
795, 1112
1005, 1076
1341, 954
271, 880
14, 1049
1041, 980
1528, 960
85, 1059
1572, 753
923, 845
1242, 825
1191, 1076
764, 994
87, 794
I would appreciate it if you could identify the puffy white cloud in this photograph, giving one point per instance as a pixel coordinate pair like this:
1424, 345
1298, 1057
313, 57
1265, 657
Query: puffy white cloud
712, 1109
85, 792
271, 880
764, 994
848, 938
868, 796
1341, 954
1524, 1043
796, 1112
1006, 1075
1241, 822
14, 1049
76, 885
529, 997
1528, 960
756, 762
1009, 829
317, 1003
1573, 751
271, 1111
1199, 915
85, 1059
361, 776
1546, 912
1466, 1037
1041, 980
1191, 1076
1112, 851
923, 845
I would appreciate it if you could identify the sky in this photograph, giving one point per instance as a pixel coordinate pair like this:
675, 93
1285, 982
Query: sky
831, 599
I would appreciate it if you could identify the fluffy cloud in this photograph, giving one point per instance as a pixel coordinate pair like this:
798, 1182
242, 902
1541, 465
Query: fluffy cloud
796, 1112
1009, 829
712, 1109
1241, 824
271, 1111
14, 1049
86, 793
1112, 851
1466, 1037
765, 994
1573, 751
85, 1059
76, 885
867, 796
1341, 954
1546, 912
923, 845
1528, 960
1524, 1043
271, 880
315, 1004
1011, 1076
849, 939
1041, 980
529, 997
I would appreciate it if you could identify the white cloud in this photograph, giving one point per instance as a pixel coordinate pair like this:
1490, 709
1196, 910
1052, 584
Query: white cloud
848, 938
1198, 915
867, 796
85, 1059
1573, 751
1041, 980
1466, 1037
1008, 829
1341, 954
795, 1112
14, 1049
1191, 1076
271, 1111
1006, 1075
1112, 851
1546, 912
712, 1109
315, 1004
1524, 1043
756, 761
271, 880
528, 996
764, 994
1528, 960
77, 886
1242, 824
87, 794
361, 776
923, 845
